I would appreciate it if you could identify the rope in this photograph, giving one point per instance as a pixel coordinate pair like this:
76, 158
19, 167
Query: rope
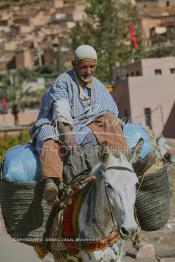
108, 239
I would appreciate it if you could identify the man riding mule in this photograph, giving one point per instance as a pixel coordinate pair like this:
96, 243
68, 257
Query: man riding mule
76, 110
96, 211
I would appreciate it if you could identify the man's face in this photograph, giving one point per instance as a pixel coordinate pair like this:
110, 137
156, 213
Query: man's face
85, 68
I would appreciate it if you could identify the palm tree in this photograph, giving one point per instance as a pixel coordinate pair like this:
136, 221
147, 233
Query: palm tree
13, 89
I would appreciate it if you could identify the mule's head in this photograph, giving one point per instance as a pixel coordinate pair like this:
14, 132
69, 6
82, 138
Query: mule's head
120, 182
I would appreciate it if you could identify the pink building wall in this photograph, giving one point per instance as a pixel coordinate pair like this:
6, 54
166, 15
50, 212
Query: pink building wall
155, 93
151, 64
150, 90
122, 99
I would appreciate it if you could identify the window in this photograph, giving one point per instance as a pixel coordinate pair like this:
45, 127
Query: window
167, 3
148, 117
158, 71
132, 74
137, 73
172, 70
117, 78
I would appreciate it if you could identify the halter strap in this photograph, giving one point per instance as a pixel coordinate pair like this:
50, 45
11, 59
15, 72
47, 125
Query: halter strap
120, 168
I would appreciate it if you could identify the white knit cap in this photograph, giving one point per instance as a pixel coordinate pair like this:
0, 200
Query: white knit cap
85, 51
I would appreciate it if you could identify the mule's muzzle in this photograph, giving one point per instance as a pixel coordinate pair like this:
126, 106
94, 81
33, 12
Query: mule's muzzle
128, 232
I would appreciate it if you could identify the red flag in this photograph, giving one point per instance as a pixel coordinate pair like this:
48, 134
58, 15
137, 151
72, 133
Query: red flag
133, 38
4, 103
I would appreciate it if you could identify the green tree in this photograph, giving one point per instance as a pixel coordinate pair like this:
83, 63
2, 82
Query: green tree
50, 71
59, 63
107, 29
7, 142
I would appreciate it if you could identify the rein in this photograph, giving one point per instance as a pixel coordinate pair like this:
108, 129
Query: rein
109, 203
84, 244
115, 227
114, 234
120, 168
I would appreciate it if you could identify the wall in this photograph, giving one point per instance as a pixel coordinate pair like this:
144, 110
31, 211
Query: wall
133, 94
127, 70
25, 118
121, 96
158, 93
155, 3
164, 63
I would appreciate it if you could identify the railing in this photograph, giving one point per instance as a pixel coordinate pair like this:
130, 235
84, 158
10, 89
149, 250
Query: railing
13, 130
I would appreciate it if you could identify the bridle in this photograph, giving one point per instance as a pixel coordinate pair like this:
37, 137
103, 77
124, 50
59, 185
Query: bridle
109, 203
115, 227
120, 168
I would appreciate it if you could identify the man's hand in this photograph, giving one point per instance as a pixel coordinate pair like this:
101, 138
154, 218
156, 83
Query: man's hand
69, 140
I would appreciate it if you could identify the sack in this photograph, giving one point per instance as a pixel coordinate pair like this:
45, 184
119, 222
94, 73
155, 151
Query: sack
21, 164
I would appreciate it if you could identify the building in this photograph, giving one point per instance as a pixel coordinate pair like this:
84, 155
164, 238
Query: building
157, 20
145, 93
33, 33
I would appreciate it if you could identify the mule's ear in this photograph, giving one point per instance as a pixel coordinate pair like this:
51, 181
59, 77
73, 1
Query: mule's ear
103, 152
136, 151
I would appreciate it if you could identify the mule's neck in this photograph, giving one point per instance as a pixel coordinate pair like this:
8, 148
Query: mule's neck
95, 218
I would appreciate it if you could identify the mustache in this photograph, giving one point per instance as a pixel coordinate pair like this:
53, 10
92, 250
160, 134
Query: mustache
85, 75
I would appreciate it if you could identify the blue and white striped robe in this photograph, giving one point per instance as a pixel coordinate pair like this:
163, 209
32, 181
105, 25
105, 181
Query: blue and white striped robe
65, 86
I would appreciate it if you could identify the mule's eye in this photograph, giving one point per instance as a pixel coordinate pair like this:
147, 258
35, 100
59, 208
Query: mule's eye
108, 186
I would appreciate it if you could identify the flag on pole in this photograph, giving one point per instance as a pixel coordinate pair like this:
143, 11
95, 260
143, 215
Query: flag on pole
3, 104
133, 38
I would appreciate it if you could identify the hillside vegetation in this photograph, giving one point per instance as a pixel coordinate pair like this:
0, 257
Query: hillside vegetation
10, 141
